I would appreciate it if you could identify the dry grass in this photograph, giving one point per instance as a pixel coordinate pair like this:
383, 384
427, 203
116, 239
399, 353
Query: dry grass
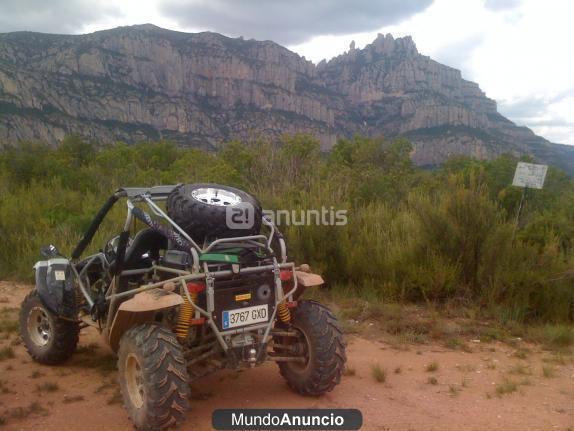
398, 343
410, 325
521, 353
411, 337
558, 337
6, 353
507, 386
457, 344
432, 367
525, 382
104, 386
47, 387
520, 370
20, 413
36, 374
398, 370
453, 390
548, 371
403, 324
4, 389
72, 399
379, 374
350, 371
116, 398
466, 368
432, 381
556, 359
8, 320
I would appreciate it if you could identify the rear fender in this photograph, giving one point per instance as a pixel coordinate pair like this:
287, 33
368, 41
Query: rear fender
55, 286
139, 309
306, 279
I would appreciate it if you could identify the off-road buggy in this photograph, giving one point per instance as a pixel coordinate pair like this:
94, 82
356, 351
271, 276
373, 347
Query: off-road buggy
174, 311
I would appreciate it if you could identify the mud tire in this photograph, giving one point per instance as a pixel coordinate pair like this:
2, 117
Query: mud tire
162, 397
326, 351
63, 336
201, 220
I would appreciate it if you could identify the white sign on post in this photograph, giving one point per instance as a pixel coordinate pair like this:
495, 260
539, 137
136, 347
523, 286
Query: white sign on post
529, 175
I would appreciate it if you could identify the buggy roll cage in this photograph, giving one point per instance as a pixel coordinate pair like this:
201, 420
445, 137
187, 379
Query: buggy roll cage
160, 193
183, 241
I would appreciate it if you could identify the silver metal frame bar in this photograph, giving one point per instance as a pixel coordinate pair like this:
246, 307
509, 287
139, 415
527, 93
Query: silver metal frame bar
82, 287
98, 256
249, 238
159, 212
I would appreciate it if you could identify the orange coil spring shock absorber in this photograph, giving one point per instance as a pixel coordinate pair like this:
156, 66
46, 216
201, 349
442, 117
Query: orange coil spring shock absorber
185, 317
282, 309
283, 312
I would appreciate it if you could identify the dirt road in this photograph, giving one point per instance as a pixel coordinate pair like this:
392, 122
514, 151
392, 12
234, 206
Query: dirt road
427, 387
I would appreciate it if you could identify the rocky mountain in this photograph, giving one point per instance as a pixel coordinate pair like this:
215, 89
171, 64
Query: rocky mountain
202, 89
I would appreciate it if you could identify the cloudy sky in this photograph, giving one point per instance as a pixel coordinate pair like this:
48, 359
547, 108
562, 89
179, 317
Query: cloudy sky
519, 51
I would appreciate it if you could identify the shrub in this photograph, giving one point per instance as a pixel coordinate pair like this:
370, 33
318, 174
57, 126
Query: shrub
378, 373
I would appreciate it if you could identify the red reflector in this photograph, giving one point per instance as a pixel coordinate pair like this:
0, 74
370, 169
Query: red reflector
285, 275
195, 287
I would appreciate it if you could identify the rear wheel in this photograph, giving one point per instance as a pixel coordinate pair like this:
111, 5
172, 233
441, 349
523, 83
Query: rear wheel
320, 342
153, 377
48, 339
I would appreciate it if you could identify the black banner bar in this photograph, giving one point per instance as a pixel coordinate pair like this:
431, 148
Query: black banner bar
287, 419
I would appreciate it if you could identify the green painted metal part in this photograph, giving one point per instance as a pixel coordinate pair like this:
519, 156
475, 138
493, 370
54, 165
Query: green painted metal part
219, 257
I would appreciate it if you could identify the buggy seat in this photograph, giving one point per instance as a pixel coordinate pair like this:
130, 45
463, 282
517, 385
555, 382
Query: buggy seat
144, 249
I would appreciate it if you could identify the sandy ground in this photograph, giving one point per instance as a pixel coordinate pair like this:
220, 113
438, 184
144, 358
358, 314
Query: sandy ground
463, 396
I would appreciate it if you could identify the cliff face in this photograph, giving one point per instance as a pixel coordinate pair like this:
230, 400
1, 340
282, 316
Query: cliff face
143, 82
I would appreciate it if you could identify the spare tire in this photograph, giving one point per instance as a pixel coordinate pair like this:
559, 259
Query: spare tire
202, 210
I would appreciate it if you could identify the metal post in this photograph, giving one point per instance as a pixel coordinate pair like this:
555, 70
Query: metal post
522, 198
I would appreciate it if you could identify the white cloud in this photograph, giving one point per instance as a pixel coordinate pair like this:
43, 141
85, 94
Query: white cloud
518, 51
132, 12
289, 21
54, 16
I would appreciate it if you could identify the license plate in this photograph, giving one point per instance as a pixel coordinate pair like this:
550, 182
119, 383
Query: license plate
245, 316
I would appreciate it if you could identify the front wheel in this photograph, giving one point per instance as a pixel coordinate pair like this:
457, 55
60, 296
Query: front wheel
48, 339
320, 342
153, 377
